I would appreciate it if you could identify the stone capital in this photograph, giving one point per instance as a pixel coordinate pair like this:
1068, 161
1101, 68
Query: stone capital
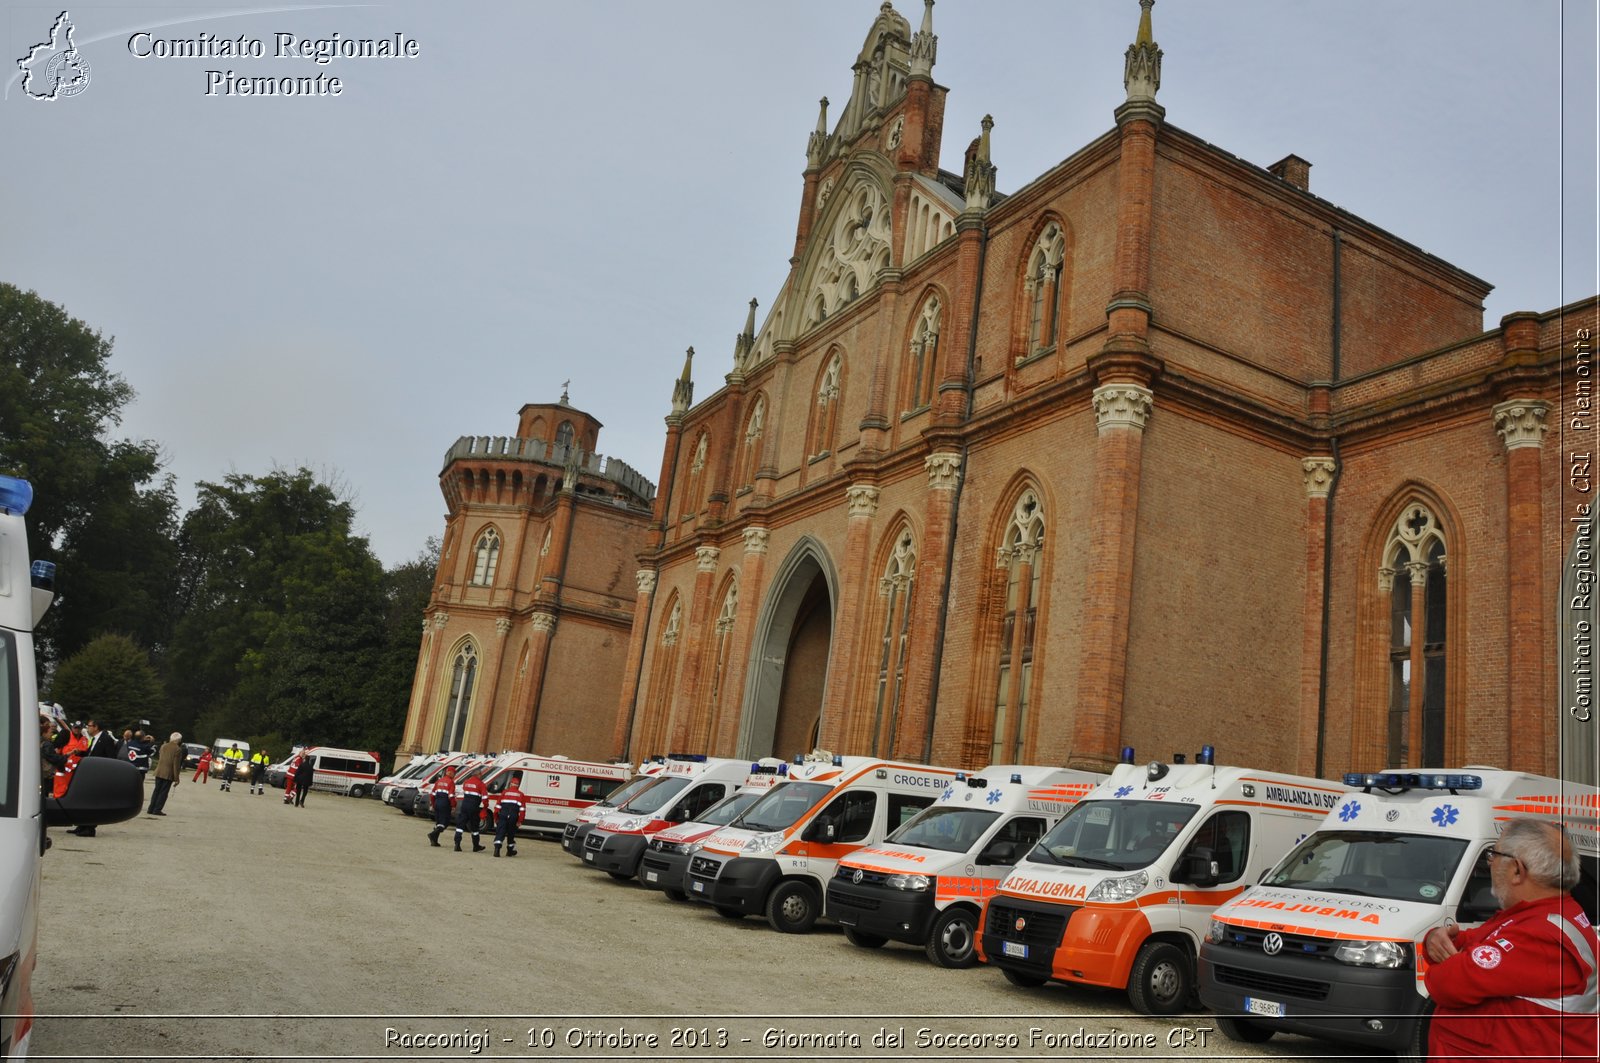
645, 580
502, 626
863, 500
1122, 406
440, 619
1319, 476
1520, 422
705, 558
944, 471
543, 622
755, 540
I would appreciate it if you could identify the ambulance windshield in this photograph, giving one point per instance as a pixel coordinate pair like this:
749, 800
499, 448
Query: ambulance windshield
1113, 835
954, 830
728, 810
1401, 867
654, 798
781, 806
626, 792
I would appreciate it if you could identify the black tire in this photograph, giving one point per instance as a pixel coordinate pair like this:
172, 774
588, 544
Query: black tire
677, 895
1243, 1030
729, 913
358, 791
793, 907
1161, 980
862, 940
1023, 979
953, 940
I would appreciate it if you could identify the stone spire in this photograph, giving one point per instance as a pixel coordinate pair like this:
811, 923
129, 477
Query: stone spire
683, 389
745, 342
980, 172
924, 45
1141, 72
817, 146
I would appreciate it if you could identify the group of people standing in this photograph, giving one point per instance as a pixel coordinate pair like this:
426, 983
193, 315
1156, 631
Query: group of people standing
297, 783
468, 815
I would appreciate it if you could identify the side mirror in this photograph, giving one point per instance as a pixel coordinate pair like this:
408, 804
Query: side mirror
1197, 868
822, 830
999, 852
101, 790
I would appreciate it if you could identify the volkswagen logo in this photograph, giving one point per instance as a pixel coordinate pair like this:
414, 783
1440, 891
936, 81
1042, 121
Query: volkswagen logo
1020, 925
856, 878
1273, 944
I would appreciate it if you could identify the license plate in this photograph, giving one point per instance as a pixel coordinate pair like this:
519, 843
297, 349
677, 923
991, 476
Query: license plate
1256, 1006
698, 887
589, 857
1014, 948
649, 876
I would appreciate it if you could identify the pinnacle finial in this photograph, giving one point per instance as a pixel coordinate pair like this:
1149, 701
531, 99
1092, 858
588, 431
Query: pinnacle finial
1141, 72
980, 171
924, 45
688, 360
565, 384
817, 146
1145, 36
822, 116
750, 321
683, 388
745, 342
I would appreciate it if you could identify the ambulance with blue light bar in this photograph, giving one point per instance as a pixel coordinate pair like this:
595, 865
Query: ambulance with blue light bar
573, 833
102, 789
1326, 945
776, 859
928, 882
1119, 894
665, 863
690, 784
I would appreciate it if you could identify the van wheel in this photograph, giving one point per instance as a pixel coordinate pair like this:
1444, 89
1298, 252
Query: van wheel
1243, 1030
730, 913
953, 940
793, 907
1023, 979
677, 895
358, 791
1162, 978
863, 941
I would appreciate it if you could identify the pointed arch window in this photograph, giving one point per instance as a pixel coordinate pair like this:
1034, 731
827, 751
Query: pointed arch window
727, 616
1020, 556
663, 682
694, 486
458, 706
922, 363
1413, 577
565, 434
750, 458
896, 586
825, 419
1043, 286
486, 558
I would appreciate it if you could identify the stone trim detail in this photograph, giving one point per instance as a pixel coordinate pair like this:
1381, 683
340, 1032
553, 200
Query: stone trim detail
545, 622
440, 620
502, 626
1122, 406
645, 580
755, 540
1319, 476
1520, 422
944, 471
863, 500
705, 558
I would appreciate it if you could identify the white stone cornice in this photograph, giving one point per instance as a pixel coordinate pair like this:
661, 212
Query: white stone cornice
440, 619
1319, 476
755, 540
1520, 422
863, 500
944, 470
645, 580
1122, 406
705, 558
502, 626
544, 622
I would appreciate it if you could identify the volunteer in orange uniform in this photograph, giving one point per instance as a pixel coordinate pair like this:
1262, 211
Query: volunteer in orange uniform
513, 805
1524, 983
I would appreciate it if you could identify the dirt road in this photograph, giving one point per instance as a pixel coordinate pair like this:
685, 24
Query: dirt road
239, 927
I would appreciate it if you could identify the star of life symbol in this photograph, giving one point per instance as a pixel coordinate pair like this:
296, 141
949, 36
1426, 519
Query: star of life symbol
993, 796
55, 69
1350, 810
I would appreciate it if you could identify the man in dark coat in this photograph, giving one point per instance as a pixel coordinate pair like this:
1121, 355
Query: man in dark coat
302, 780
169, 765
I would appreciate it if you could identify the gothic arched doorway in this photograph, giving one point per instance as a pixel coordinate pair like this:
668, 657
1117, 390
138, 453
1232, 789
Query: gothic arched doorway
788, 672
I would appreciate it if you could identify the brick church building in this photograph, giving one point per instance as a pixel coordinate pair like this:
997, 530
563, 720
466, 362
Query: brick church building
1159, 449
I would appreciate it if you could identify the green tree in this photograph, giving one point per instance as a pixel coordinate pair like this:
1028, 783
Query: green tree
111, 680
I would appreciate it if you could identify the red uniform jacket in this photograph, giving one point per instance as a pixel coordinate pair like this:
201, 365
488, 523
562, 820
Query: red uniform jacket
1523, 984
512, 800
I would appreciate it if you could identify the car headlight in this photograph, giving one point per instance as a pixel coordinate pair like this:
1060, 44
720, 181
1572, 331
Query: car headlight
907, 882
763, 843
1374, 953
1125, 888
1217, 931
690, 848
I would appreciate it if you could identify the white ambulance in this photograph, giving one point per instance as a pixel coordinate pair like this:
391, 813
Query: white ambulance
554, 789
778, 856
928, 882
573, 833
1120, 893
665, 863
690, 784
352, 772
102, 790
1326, 945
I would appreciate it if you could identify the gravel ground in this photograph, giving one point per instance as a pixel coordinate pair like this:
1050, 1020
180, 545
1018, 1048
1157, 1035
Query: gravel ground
237, 927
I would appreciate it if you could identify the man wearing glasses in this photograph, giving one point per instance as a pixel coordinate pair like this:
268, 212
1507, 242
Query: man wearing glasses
1523, 983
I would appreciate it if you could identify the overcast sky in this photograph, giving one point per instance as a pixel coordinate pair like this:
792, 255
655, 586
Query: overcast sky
579, 190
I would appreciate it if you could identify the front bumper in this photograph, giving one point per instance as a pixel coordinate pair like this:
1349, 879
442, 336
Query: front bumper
572, 836
664, 871
899, 915
1022, 935
616, 854
738, 883
1373, 1006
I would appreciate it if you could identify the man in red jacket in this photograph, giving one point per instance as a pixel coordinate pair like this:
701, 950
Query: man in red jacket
1524, 983
508, 817
469, 817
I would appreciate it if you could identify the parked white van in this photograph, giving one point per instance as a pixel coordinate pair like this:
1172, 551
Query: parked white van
554, 789
102, 790
342, 771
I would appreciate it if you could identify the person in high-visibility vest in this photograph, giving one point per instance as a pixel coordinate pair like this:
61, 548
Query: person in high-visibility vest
258, 771
232, 757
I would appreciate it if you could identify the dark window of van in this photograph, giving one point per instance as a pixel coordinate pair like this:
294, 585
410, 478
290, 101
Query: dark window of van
698, 800
851, 814
358, 767
903, 806
1227, 835
590, 789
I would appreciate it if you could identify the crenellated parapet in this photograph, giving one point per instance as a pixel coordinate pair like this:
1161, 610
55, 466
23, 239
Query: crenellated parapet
496, 457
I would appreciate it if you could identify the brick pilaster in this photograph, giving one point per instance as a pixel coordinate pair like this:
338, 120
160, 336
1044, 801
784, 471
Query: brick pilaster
622, 735
1521, 424
689, 699
844, 718
944, 473
1319, 473
523, 720
488, 695
752, 588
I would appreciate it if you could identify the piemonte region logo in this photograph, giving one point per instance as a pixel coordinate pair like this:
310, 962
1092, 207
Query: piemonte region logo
55, 69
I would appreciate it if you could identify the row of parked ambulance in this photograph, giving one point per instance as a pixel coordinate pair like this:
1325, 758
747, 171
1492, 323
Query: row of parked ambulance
1282, 902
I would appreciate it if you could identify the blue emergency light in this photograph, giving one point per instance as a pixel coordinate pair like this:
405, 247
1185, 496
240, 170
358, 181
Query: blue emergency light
961, 776
1207, 755
1398, 780
43, 575
15, 495
693, 758
1127, 755
838, 760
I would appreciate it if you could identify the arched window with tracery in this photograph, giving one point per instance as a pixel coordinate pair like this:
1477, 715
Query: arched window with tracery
458, 703
486, 558
565, 434
663, 682
1020, 555
1413, 579
922, 359
825, 415
750, 454
1043, 286
722, 637
896, 586
694, 484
